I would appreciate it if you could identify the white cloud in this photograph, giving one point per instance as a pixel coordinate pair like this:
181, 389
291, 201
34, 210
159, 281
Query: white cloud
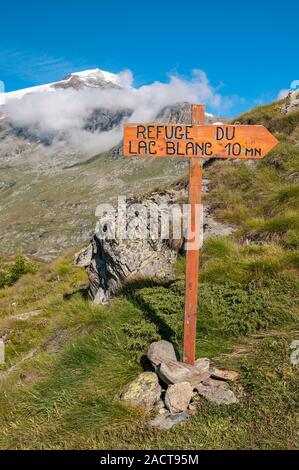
66, 111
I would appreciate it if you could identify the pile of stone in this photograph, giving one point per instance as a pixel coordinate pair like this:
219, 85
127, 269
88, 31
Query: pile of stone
175, 388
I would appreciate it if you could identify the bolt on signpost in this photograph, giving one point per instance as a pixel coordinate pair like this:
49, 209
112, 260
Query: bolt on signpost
195, 141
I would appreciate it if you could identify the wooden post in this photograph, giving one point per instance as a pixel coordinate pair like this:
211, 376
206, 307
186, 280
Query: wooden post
192, 256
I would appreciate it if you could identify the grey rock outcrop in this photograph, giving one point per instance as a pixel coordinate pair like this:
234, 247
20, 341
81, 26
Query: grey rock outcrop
110, 259
291, 103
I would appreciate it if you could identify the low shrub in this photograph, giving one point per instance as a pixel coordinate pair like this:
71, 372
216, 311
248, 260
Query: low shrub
10, 273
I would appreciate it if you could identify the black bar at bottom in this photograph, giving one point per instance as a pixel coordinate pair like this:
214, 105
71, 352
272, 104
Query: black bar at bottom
132, 459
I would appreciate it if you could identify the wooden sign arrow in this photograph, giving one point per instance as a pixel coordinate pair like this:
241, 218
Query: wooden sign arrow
197, 141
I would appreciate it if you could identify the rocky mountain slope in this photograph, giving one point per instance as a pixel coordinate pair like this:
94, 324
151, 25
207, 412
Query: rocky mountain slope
49, 188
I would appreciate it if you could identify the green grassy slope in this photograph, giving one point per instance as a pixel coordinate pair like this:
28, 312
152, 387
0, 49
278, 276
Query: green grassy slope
248, 314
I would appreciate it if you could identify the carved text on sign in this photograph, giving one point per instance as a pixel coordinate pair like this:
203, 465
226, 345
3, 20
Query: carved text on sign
199, 141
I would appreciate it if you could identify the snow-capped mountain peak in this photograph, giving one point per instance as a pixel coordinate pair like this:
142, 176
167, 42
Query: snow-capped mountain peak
95, 74
94, 78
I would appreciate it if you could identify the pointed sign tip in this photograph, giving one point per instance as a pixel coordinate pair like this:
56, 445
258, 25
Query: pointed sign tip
273, 141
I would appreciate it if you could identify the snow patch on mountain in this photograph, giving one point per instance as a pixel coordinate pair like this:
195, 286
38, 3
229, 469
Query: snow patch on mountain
97, 73
19, 94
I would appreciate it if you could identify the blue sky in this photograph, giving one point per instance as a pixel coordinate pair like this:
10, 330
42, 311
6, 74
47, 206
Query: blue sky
249, 50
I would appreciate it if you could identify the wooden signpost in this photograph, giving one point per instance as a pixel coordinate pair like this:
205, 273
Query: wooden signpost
195, 141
